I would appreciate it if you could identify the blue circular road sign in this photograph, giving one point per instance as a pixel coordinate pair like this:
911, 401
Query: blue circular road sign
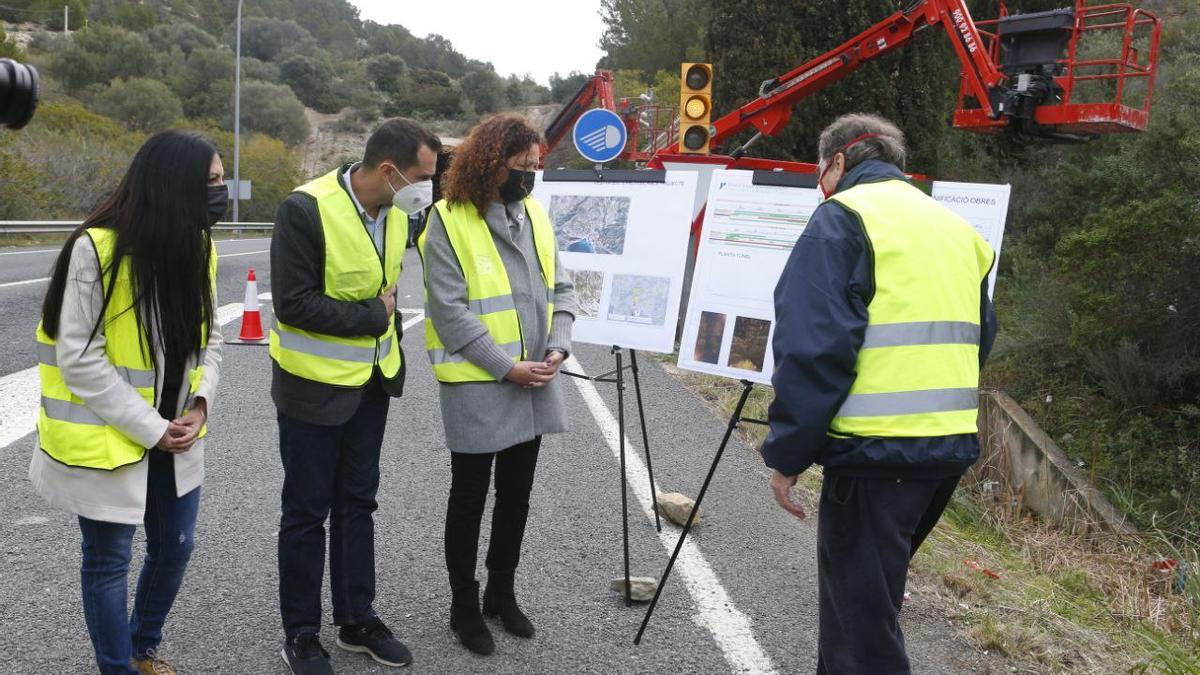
599, 135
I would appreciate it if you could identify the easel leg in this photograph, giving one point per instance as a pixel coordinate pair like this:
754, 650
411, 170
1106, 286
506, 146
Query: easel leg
637, 388
733, 423
624, 480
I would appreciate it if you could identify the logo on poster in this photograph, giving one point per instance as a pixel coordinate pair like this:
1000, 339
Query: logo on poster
599, 135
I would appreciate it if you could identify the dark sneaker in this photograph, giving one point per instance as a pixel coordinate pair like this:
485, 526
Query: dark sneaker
304, 655
375, 640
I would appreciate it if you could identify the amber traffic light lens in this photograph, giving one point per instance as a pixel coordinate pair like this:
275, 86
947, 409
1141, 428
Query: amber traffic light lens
697, 77
696, 107
695, 138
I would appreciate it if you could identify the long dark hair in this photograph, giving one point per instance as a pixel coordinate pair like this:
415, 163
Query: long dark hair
160, 216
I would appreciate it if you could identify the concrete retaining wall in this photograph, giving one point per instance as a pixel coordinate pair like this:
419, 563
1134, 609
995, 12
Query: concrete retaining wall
1022, 465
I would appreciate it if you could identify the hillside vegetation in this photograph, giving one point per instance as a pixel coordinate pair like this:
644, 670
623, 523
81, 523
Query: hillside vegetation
139, 67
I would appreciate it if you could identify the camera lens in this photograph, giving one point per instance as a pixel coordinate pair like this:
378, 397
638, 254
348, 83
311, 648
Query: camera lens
18, 93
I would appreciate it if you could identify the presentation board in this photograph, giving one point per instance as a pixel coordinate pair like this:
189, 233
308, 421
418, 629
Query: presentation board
982, 205
626, 246
749, 232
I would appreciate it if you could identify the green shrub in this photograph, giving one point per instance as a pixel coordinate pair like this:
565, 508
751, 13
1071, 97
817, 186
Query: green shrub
187, 37
140, 104
274, 110
312, 80
100, 54
8, 46
386, 72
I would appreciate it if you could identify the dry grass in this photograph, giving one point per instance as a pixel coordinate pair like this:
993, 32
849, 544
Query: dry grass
1064, 603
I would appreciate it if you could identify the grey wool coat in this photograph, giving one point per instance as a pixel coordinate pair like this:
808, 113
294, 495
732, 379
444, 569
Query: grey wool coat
485, 417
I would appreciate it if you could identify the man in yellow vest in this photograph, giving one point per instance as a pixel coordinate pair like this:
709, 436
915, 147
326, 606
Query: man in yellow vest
336, 255
883, 323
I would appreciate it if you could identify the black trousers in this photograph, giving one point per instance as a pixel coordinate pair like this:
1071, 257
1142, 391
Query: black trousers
867, 532
471, 476
330, 472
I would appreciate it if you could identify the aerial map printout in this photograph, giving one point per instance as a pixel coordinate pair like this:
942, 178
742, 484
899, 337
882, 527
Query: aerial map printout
626, 247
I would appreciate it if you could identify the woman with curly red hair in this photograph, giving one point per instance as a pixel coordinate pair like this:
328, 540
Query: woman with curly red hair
498, 326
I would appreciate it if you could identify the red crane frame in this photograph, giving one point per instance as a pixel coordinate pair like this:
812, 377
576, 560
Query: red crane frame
988, 95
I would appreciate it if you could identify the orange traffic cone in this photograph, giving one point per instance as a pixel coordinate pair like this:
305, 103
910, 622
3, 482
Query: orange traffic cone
251, 318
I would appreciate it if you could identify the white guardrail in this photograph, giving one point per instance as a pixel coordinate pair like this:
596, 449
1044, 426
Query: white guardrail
53, 226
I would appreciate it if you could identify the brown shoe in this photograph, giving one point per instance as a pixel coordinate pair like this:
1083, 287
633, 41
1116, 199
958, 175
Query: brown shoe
153, 664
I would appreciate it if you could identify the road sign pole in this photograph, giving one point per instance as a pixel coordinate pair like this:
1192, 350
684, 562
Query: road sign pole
237, 114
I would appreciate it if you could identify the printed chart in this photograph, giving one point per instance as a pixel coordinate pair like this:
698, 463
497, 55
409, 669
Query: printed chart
748, 235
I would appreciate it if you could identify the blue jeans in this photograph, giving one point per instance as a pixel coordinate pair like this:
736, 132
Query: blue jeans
170, 523
330, 473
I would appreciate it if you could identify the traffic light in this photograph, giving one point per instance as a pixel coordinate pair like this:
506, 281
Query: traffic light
695, 108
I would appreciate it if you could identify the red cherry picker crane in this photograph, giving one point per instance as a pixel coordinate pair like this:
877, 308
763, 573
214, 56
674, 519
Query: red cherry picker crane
1023, 74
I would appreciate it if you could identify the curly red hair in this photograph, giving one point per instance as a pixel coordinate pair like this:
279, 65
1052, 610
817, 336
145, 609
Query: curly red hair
480, 161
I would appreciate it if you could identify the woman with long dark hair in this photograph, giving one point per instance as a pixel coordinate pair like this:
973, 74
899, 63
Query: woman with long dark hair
499, 323
129, 350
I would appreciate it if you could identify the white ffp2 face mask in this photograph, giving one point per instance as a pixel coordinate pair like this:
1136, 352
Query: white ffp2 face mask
414, 197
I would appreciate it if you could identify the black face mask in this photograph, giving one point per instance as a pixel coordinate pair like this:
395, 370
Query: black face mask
518, 186
218, 201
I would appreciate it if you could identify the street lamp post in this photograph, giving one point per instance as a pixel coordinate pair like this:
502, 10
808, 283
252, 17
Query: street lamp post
237, 116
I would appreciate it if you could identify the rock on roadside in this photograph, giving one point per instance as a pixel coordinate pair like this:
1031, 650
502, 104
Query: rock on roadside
676, 507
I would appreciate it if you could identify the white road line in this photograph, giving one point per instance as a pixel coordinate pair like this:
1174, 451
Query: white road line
238, 255
729, 627
41, 250
20, 392
229, 313
25, 282
413, 321
38, 281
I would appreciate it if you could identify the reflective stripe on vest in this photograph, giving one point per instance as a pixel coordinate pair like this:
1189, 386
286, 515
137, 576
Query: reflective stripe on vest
489, 293
918, 369
69, 431
354, 271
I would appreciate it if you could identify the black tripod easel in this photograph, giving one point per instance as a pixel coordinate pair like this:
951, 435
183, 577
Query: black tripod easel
598, 174
617, 377
771, 178
734, 421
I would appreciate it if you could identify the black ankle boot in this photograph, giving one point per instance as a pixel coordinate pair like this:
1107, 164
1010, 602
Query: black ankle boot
499, 600
467, 622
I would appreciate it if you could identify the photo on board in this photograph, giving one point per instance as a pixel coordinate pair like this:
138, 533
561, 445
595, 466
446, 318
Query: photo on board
590, 224
709, 336
589, 286
636, 298
750, 337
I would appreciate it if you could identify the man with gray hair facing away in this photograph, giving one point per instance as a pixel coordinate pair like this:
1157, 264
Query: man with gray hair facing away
883, 323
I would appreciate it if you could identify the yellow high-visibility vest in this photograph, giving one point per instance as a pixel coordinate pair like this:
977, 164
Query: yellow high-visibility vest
489, 294
354, 271
918, 369
68, 431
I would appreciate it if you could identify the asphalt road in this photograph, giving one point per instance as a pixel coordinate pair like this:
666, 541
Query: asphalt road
744, 601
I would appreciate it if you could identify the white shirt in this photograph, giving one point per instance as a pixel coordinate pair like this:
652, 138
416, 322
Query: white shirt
375, 226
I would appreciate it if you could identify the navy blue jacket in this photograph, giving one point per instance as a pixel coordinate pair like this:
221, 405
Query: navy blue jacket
821, 318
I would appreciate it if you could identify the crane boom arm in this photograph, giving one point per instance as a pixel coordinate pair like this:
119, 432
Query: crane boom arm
770, 112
